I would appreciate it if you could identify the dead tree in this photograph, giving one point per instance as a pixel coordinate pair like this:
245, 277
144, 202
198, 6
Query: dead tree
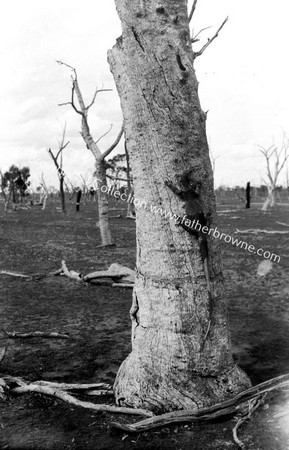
275, 162
100, 163
58, 161
44, 194
181, 353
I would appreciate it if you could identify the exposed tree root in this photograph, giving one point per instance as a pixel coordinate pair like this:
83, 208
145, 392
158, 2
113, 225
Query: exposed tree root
227, 408
56, 390
33, 334
252, 406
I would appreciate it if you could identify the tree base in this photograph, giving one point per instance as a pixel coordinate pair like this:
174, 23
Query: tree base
161, 393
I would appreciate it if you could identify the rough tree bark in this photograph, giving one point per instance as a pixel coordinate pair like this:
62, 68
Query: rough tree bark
175, 362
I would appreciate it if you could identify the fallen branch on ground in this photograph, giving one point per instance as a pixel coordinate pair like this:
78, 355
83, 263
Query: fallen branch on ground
70, 273
93, 389
229, 407
282, 223
116, 273
14, 274
33, 334
73, 386
258, 230
23, 387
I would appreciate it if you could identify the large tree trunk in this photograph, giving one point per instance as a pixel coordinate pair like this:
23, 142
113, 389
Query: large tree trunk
175, 363
102, 198
271, 198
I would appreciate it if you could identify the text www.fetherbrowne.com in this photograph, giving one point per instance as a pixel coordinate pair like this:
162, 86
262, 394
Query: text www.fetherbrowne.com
193, 224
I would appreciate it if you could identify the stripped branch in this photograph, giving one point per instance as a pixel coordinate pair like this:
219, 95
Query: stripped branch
200, 52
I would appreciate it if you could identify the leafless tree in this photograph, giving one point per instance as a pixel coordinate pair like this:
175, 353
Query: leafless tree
58, 162
45, 192
275, 162
180, 339
100, 163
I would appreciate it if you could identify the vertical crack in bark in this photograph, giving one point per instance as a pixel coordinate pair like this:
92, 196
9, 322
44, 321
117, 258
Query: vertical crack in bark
134, 316
137, 38
180, 64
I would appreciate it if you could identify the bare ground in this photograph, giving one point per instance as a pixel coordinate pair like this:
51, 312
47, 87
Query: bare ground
35, 241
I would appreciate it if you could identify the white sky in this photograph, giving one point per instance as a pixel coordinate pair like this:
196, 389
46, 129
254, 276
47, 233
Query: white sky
243, 76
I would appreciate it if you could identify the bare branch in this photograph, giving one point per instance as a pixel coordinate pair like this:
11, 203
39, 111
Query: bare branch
61, 63
192, 10
200, 52
104, 134
195, 38
95, 94
109, 150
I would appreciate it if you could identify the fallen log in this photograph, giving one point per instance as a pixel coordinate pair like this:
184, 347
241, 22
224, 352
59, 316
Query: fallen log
228, 408
33, 334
